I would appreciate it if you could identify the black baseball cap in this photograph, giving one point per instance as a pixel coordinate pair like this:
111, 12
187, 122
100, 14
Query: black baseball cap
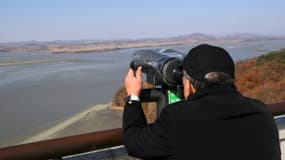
206, 58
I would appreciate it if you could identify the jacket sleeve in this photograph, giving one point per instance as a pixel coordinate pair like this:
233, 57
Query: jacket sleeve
145, 140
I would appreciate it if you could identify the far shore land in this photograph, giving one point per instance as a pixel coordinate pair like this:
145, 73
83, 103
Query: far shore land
86, 46
83, 48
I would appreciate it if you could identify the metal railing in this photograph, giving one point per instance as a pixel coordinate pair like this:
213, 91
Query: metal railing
58, 148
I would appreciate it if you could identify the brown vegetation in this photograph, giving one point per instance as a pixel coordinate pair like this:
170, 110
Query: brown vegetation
263, 77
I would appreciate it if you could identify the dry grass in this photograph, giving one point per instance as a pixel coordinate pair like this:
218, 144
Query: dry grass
148, 108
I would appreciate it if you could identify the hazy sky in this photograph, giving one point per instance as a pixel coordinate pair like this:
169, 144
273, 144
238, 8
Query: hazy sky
22, 20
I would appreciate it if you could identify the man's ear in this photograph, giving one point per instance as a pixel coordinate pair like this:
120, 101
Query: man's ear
192, 90
187, 88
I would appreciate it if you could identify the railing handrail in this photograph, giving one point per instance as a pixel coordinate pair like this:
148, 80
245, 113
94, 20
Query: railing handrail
57, 148
277, 108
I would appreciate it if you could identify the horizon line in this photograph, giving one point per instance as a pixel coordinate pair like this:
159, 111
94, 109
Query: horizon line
147, 38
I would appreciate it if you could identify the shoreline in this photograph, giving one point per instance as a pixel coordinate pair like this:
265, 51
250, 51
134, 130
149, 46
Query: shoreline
101, 46
79, 123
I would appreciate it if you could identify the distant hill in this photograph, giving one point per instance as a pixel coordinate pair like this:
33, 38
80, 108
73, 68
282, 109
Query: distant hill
82, 46
263, 77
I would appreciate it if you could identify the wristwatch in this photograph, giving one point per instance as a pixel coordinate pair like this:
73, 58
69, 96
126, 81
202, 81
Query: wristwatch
131, 98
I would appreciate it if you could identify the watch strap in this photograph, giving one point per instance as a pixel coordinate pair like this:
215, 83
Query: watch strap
131, 98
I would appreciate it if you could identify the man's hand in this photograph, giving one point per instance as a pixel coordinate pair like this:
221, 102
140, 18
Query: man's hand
133, 82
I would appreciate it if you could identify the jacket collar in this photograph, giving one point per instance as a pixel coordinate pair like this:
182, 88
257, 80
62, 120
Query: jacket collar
215, 89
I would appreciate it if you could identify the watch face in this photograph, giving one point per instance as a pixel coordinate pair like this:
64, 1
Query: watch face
128, 100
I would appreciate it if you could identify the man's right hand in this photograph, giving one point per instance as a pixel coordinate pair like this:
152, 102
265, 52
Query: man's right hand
133, 82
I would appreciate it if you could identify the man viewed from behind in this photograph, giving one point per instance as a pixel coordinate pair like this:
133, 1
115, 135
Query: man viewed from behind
214, 122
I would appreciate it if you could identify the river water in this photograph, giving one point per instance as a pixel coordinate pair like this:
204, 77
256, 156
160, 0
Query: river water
36, 96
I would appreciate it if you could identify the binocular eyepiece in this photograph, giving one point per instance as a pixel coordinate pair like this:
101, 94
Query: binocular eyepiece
162, 67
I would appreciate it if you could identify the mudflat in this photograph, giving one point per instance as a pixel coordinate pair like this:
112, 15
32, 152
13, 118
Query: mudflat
97, 118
